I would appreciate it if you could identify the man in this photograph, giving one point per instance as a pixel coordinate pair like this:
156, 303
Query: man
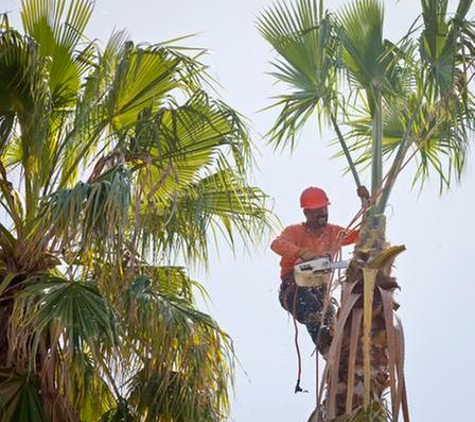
303, 242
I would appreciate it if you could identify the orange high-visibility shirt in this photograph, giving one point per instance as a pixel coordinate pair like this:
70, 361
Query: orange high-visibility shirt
296, 237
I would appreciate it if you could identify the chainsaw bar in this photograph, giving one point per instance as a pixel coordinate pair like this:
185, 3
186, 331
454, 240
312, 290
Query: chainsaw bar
322, 264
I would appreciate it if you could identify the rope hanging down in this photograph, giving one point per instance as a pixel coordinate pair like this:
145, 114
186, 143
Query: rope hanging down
298, 388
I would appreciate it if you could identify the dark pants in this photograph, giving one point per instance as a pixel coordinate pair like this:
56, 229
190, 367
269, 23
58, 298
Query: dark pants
306, 305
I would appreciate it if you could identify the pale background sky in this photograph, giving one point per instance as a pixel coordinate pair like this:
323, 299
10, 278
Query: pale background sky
437, 297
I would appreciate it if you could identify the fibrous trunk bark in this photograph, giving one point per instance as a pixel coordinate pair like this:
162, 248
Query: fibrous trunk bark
366, 358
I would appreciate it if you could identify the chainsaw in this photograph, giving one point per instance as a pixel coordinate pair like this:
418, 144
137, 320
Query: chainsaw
317, 272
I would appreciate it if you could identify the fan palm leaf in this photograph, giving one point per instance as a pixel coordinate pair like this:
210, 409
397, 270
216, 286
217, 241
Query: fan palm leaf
20, 400
304, 39
58, 29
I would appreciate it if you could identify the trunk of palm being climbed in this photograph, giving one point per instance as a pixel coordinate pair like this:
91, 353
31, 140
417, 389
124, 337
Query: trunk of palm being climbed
366, 356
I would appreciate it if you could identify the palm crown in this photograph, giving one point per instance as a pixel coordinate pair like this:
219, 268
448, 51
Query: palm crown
391, 97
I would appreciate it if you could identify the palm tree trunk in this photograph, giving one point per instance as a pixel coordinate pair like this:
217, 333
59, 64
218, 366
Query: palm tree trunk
366, 355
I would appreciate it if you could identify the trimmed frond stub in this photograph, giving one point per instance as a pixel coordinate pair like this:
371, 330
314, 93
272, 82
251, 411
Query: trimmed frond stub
365, 364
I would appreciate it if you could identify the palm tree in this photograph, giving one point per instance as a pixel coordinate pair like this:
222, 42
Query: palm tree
116, 167
392, 104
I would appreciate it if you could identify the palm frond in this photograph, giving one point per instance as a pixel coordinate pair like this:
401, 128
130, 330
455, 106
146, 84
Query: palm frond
218, 204
63, 331
59, 29
26, 103
144, 77
307, 63
89, 213
129, 82
19, 398
364, 53
190, 136
74, 311
164, 390
438, 135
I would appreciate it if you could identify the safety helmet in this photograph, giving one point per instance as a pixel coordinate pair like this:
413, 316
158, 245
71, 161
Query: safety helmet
313, 198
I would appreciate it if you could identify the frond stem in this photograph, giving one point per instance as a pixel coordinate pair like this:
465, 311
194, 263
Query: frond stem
346, 151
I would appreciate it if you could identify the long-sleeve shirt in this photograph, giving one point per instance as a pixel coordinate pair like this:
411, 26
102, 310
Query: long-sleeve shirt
296, 237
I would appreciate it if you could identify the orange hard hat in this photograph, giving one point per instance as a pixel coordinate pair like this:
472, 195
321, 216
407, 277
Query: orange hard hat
312, 198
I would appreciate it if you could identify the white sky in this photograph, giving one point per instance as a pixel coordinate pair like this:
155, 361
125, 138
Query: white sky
435, 273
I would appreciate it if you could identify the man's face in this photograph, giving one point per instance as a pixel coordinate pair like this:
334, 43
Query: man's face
316, 218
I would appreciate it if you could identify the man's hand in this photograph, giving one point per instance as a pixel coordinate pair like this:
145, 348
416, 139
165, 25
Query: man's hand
307, 254
363, 192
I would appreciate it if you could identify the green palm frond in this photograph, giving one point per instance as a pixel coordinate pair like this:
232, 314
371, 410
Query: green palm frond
308, 56
72, 312
182, 139
446, 49
361, 32
218, 204
201, 366
142, 79
439, 43
178, 315
20, 400
437, 133
172, 281
129, 84
89, 213
23, 94
72, 327
58, 29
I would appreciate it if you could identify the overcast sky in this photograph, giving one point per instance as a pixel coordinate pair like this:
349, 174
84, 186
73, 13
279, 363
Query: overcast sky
436, 276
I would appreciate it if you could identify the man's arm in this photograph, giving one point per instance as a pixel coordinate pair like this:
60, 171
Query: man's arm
286, 243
